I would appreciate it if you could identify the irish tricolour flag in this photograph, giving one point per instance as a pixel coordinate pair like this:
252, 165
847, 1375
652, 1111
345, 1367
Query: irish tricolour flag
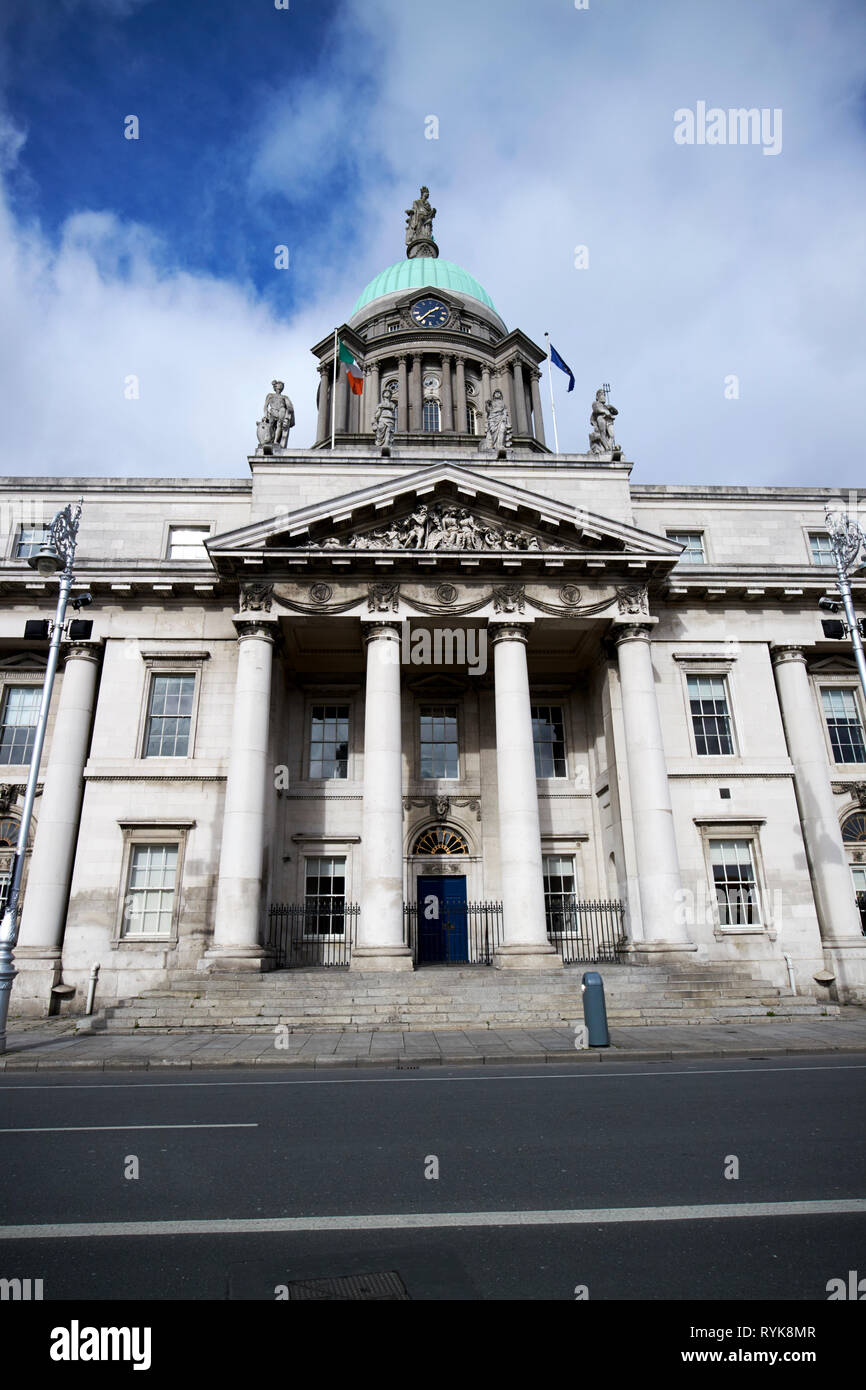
356, 383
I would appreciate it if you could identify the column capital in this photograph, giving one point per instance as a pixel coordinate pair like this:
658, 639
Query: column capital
448, 357
508, 631
373, 629
82, 651
782, 651
417, 357
263, 627
632, 632
460, 358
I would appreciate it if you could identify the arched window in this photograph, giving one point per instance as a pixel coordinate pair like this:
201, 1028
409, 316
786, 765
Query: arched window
854, 829
8, 832
431, 417
440, 839
471, 420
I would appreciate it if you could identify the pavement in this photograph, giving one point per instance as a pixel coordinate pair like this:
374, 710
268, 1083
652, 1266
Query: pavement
51, 1045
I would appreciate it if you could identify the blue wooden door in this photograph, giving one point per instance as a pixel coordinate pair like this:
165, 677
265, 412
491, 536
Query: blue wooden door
442, 920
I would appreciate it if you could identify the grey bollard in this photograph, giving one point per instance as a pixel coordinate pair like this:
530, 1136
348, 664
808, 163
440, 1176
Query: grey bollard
594, 1011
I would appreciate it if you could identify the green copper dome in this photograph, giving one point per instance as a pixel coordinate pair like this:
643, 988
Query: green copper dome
414, 274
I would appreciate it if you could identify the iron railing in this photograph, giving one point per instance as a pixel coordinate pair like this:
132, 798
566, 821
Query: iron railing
462, 933
319, 931
586, 931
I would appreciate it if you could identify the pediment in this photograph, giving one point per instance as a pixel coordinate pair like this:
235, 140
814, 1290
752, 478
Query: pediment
443, 509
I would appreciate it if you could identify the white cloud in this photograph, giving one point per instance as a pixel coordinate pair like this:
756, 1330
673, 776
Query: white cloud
556, 129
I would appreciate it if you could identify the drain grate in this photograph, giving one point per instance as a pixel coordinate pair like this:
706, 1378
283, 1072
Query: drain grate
364, 1288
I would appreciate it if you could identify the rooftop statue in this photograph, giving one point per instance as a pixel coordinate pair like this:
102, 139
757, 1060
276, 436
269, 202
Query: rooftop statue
601, 440
498, 434
277, 419
385, 418
419, 227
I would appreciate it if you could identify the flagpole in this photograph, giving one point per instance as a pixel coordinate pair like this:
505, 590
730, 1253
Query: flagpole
334, 394
550, 384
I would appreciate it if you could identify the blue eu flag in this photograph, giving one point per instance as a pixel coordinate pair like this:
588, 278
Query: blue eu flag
563, 366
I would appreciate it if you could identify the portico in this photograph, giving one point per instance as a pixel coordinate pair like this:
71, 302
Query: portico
443, 640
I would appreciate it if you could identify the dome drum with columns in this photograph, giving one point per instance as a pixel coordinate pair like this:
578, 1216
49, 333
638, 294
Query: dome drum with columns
427, 331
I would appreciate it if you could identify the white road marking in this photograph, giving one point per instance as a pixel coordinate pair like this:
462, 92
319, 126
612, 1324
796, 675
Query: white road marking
82, 1129
391, 1076
419, 1221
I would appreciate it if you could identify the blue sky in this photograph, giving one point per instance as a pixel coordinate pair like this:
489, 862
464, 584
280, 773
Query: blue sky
306, 127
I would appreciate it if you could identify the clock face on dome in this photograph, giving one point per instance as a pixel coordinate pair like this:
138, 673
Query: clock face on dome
430, 313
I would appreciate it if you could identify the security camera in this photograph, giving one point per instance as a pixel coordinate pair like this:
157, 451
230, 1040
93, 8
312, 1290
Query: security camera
83, 601
830, 605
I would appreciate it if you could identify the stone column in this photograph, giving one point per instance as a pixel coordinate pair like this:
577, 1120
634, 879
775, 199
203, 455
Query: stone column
402, 395
323, 427
371, 390
838, 916
521, 424
416, 418
239, 908
524, 923
460, 396
537, 416
379, 944
448, 422
43, 916
652, 814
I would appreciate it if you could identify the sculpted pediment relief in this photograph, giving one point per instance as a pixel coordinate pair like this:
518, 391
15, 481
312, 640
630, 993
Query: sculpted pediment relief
442, 526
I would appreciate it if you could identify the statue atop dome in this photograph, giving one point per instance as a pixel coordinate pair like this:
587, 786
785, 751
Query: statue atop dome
419, 227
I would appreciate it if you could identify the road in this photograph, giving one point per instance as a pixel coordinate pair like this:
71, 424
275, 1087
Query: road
325, 1176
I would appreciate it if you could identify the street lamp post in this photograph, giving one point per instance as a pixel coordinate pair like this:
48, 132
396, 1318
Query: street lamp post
55, 556
846, 539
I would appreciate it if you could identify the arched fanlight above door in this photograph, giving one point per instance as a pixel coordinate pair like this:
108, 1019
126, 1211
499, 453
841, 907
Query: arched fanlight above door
854, 829
440, 839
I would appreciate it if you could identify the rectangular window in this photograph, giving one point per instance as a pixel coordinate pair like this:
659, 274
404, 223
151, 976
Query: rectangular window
18, 723
393, 327
325, 896
150, 892
329, 741
694, 546
735, 883
439, 754
187, 542
559, 892
430, 422
30, 541
5, 885
822, 551
169, 717
548, 732
843, 724
711, 720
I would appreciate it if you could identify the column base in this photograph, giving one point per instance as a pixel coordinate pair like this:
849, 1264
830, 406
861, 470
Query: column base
253, 960
39, 970
381, 958
527, 956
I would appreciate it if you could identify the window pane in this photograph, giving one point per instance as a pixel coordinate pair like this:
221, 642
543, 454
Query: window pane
329, 745
150, 894
559, 892
187, 542
822, 551
708, 701
30, 541
548, 730
735, 884
439, 743
325, 896
843, 724
18, 723
170, 716
694, 543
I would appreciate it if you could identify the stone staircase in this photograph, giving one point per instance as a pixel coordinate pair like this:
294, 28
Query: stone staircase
452, 997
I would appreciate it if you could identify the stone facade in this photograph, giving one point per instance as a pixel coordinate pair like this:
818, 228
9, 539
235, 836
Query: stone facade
434, 575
